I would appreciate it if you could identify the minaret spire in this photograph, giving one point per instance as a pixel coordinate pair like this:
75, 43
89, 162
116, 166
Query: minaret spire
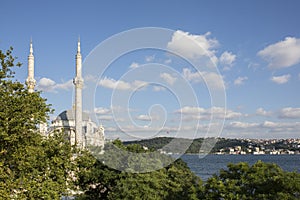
31, 49
30, 81
78, 82
78, 45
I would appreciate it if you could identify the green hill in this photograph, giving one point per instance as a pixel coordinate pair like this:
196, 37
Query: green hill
194, 147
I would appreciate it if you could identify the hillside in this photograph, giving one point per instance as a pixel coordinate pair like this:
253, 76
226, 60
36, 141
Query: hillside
161, 142
223, 145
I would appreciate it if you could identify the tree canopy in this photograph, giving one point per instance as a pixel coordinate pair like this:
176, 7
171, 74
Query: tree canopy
31, 166
259, 181
174, 181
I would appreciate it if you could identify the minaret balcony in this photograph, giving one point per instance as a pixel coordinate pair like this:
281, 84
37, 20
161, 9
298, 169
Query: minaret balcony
30, 81
78, 81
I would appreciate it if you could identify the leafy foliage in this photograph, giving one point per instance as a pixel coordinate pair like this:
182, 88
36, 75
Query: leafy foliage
31, 167
153, 143
174, 181
260, 181
7, 63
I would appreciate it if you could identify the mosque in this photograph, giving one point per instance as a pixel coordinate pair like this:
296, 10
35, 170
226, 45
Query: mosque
77, 125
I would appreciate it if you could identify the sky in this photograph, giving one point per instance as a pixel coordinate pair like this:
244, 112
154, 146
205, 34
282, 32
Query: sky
166, 68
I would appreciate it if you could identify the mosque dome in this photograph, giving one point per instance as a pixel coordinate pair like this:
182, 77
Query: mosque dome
69, 115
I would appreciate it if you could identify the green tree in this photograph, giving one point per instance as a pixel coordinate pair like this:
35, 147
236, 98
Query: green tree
259, 181
98, 181
94, 178
31, 166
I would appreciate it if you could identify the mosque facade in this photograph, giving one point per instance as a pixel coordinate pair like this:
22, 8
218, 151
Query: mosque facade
80, 130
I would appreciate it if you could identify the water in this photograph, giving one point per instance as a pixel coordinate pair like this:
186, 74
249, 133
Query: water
211, 164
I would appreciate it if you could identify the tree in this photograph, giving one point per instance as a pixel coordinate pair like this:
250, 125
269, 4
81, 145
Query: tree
98, 181
259, 181
31, 166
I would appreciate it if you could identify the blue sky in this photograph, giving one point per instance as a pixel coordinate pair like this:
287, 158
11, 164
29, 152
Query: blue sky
254, 44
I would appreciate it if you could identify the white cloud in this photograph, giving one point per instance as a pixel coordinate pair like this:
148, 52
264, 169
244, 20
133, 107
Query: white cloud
149, 58
113, 84
212, 79
90, 78
198, 113
282, 127
241, 125
121, 85
264, 129
282, 54
105, 117
192, 76
269, 124
147, 117
227, 59
65, 86
48, 85
190, 110
289, 112
193, 46
281, 79
134, 65
168, 78
240, 80
262, 112
168, 61
144, 117
102, 111
157, 88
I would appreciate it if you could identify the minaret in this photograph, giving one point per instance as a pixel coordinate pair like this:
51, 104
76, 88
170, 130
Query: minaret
78, 82
30, 81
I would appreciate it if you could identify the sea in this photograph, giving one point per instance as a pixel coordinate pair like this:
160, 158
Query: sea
206, 166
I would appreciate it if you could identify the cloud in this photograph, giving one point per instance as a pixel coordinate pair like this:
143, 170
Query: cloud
109, 114
193, 46
282, 54
65, 86
190, 110
157, 88
212, 79
168, 61
266, 126
121, 85
289, 112
262, 112
283, 127
149, 58
48, 85
281, 79
227, 59
241, 125
90, 78
134, 65
168, 78
240, 80
146, 118
105, 117
102, 111
198, 113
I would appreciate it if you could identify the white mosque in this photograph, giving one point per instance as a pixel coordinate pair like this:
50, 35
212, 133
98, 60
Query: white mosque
77, 125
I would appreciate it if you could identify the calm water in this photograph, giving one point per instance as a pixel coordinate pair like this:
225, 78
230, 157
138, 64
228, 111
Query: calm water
211, 164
